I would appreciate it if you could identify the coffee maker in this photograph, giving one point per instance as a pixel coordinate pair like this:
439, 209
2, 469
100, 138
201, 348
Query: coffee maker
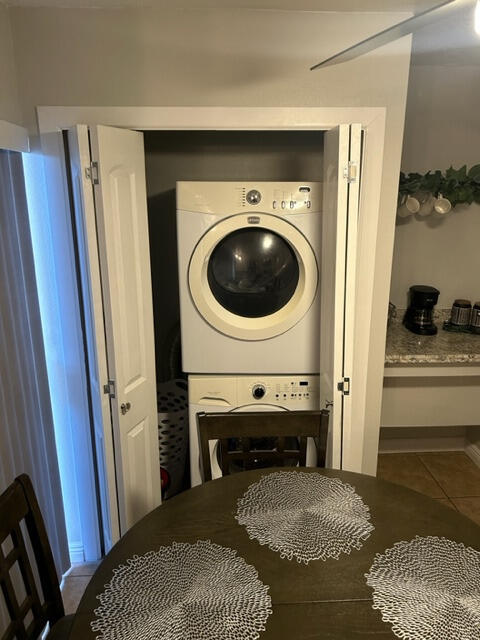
419, 315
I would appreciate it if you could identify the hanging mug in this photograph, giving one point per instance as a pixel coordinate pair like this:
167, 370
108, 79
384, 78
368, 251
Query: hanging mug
408, 206
426, 200
442, 205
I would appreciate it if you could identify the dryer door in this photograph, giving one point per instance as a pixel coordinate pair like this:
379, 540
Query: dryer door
253, 277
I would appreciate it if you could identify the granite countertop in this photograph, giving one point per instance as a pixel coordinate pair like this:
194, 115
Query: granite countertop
405, 347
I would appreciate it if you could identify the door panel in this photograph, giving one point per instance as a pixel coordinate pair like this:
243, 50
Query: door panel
339, 230
138, 444
126, 256
86, 226
352, 438
120, 197
335, 196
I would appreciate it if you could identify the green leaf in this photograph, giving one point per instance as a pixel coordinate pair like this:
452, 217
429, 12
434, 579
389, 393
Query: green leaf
431, 182
464, 194
459, 175
474, 173
458, 185
450, 173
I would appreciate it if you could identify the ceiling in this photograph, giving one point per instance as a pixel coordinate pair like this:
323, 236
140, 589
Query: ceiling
452, 41
281, 5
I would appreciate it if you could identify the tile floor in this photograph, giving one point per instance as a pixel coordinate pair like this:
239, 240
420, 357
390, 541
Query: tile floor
75, 584
449, 477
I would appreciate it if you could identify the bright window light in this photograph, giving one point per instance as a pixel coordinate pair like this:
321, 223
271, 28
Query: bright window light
37, 205
477, 17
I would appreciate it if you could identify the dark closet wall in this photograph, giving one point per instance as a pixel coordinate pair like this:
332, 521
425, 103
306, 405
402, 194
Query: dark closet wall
209, 155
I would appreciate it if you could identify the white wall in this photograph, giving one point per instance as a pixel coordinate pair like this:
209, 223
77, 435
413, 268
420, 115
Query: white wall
221, 57
9, 105
442, 128
226, 57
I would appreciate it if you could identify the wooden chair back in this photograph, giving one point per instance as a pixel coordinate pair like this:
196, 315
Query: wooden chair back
279, 425
28, 614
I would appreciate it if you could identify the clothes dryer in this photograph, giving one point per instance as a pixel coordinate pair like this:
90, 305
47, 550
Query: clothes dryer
248, 258
245, 393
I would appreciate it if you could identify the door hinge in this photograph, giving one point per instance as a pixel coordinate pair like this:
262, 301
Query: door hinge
109, 388
91, 173
350, 172
344, 386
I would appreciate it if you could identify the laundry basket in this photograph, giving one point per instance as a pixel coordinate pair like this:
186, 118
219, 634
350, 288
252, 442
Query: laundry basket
172, 402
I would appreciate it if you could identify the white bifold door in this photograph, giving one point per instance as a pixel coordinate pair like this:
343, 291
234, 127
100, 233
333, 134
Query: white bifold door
109, 192
341, 183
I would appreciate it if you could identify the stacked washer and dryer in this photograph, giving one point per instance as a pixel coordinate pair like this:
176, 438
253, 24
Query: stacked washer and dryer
249, 256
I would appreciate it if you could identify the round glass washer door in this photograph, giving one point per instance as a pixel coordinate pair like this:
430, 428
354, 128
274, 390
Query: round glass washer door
253, 277
215, 451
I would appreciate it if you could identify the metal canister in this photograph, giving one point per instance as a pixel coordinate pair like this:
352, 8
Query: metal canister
461, 312
475, 318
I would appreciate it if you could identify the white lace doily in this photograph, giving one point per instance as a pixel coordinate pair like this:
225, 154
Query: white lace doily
198, 591
429, 589
304, 515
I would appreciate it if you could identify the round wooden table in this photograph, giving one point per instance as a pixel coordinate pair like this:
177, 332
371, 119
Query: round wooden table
321, 600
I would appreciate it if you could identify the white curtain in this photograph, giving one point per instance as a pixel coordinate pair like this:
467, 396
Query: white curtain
27, 441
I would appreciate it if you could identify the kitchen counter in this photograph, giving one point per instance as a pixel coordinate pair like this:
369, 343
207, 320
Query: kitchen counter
405, 347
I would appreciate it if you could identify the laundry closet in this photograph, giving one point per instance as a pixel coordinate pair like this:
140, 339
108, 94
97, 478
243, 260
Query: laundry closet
127, 236
258, 358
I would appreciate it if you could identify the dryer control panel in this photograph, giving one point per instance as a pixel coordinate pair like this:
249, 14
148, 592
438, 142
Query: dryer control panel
280, 198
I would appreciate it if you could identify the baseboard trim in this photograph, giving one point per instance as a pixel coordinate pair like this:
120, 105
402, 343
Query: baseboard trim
473, 452
76, 553
419, 445
418, 439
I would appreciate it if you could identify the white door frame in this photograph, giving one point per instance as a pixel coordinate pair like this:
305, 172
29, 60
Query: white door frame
13, 137
52, 120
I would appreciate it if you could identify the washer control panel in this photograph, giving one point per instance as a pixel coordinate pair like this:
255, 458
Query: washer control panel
292, 392
282, 390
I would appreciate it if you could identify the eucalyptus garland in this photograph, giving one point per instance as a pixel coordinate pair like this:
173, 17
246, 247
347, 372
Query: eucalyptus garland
460, 186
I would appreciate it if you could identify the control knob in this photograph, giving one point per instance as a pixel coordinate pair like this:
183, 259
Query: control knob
258, 391
254, 196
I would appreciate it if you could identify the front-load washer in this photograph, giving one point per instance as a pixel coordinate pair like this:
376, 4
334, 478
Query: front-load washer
248, 257
245, 393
